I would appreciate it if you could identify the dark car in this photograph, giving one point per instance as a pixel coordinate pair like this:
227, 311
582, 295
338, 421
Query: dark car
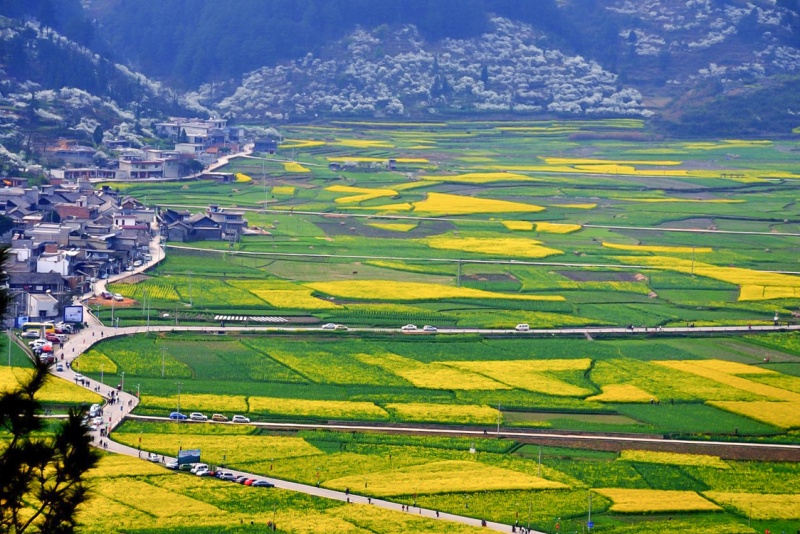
178, 416
262, 484
240, 480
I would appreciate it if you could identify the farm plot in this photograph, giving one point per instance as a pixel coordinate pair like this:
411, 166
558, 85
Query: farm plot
643, 501
445, 477
543, 376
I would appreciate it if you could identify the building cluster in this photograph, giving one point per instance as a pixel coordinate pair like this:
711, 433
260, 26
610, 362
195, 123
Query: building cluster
200, 140
65, 237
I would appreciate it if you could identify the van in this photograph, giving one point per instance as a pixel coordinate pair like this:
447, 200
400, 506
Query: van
198, 467
522, 327
219, 417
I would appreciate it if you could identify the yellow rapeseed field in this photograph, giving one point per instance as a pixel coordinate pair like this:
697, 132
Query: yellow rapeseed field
734, 368
93, 361
734, 275
198, 402
394, 227
112, 465
772, 392
408, 291
672, 458
293, 166
430, 375
444, 477
372, 519
235, 449
55, 390
483, 177
328, 409
557, 228
447, 204
518, 225
297, 143
591, 161
282, 294
359, 194
577, 206
759, 505
363, 143
659, 249
500, 246
640, 501
242, 178
530, 374
283, 190
622, 393
780, 414
152, 500
444, 413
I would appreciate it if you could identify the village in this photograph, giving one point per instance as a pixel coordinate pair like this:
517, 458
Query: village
67, 234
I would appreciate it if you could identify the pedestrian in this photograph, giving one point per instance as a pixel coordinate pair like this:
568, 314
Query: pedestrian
437, 513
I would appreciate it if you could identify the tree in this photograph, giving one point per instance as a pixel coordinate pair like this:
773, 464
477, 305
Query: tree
97, 135
41, 478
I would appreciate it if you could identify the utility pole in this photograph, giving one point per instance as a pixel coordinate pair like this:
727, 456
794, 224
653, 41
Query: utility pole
162, 361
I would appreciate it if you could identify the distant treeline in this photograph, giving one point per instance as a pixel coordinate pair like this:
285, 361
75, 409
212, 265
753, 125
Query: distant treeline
187, 42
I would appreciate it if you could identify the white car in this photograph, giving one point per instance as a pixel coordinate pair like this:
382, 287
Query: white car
523, 327
153, 457
409, 328
118, 297
429, 328
240, 419
197, 416
329, 326
79, 376
38, 343
198, 468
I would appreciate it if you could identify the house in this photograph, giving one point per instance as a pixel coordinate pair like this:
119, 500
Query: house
198, 227
231, 221
266, 144
139, 168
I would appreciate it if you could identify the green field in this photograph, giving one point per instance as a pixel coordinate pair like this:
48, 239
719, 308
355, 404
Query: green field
485, 224
465, 202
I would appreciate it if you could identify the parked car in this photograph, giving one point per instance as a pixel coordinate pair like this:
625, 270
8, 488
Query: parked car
248, 482
429, 328
118, 297
240, 419
172, 464
94, 409
178, 416
219, 417
262, 484
226, 475
240, 480
153, 457
60, 368
409, 328
37, 343
30, 334
79, 376
106, 295
137, 263
197, 416
522, 327
206, 473
329, 326
52, 338
185, 467
198, 467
